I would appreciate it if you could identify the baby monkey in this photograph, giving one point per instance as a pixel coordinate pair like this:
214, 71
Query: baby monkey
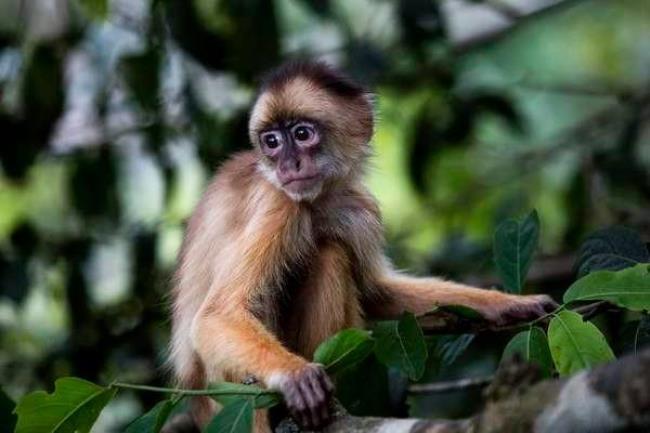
286, 248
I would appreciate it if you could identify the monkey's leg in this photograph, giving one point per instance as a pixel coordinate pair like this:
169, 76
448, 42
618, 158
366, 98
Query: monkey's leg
326, 303
399, 293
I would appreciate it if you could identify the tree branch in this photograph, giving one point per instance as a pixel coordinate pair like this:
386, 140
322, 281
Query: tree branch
452, 385
610, 398
442, 321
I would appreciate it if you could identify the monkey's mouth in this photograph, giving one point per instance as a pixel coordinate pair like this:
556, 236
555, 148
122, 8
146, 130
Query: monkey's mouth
301, 183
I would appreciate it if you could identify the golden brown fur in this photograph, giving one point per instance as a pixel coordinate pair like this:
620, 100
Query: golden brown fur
264, 277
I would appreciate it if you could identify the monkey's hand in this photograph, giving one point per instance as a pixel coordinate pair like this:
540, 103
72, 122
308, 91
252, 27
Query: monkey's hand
513, 309
307, 394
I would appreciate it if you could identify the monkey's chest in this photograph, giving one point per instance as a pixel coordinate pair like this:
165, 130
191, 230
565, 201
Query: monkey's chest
312, 304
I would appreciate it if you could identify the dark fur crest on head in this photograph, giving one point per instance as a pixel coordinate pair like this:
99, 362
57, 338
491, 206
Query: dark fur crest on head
320, 73
318, 92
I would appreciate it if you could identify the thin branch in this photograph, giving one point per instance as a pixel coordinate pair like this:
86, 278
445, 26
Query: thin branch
452, 385
442, 321
178, 391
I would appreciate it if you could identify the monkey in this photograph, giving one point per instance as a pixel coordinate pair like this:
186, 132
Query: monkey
285, 249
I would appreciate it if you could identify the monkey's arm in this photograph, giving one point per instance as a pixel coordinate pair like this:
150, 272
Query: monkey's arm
397, 293
228, 336
237, 341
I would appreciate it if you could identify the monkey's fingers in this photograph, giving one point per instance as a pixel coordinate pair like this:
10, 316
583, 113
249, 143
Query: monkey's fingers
313, 412
316, 393
295, 402
323, 390
528, 308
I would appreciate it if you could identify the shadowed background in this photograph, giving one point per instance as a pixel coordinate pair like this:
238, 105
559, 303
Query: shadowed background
113, 114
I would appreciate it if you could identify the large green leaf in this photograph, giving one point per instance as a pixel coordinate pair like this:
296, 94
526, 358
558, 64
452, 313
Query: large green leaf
611, 249
152, 421
7, 417
230, 392
73, 407
576, 344
532, 346
400, 344
344, 349
236, 417
514, 245
629, 288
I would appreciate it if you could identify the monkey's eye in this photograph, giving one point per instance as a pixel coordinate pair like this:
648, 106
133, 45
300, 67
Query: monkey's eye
271, 140
304, 134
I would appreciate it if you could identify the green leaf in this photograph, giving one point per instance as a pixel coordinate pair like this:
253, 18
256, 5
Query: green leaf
629, 288
611, 249
532, 346
232, 392
96, 9
235, 417
73, 407
152, 421
371, 399
344, 349
7, 417
514, 245
400, 344
576, 344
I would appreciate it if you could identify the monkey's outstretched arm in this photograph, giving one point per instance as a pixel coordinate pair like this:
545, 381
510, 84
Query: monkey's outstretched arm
398, 293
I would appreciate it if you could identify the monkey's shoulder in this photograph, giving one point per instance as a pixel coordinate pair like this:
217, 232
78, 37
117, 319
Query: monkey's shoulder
238, 172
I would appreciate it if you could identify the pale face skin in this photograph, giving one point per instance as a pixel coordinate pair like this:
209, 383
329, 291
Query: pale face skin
292, 146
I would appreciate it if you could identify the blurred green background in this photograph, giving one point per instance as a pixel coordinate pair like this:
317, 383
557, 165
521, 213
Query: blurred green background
114, 113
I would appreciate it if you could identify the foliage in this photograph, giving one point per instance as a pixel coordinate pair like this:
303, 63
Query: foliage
532, 346
234, 417
344, 349
153, 420
73, 407
576, 344
628, 288
612, 248
400, 344
514, 245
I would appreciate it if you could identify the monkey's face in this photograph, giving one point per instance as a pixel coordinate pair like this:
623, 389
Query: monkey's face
293, 149
312, 127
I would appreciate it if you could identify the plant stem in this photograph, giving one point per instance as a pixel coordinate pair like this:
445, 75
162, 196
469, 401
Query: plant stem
547, 315
188, 391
